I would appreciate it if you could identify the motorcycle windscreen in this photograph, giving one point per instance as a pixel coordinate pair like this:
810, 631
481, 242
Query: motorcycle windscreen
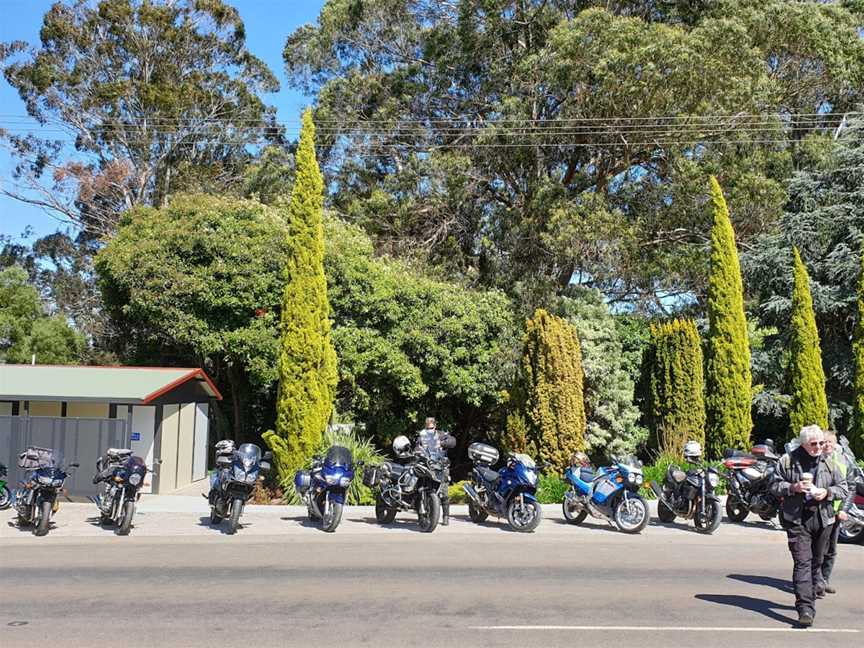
249, 454
338, 456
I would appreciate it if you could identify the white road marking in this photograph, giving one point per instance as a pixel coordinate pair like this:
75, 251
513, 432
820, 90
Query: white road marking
666, 628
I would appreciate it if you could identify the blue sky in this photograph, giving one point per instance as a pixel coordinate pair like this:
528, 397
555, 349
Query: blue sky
268, 23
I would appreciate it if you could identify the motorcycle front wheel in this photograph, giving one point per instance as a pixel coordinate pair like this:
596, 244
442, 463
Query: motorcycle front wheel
215, 518
735, 510
44, 519
711, 521
476, 513
330, 520
524, 516
850, 532
664, 512
5, 498
429, 519
234, 520
125, 524
631, 514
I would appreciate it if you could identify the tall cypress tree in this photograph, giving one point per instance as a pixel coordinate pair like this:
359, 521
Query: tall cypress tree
676, 407
728, 379
806, 377
549, 391
856, 432
307, 361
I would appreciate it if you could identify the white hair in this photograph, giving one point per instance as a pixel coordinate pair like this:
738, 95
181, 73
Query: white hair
809, 432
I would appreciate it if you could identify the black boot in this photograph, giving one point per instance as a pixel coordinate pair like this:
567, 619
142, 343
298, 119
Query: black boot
445, 513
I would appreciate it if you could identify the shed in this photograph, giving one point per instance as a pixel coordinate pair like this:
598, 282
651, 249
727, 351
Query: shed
80, 411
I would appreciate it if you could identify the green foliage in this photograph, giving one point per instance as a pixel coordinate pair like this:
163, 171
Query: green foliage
457, 493
675, 404
727, 379
362, 450
824, 219
411, 346
656, 472
307, 361
160, 96
25, 330
806, 377
856, 432
199, 283
551, 489
549, 390
612, 418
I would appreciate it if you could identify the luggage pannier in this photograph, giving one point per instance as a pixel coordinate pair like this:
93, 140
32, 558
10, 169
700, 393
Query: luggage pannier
34, 458
372, 475
482, 453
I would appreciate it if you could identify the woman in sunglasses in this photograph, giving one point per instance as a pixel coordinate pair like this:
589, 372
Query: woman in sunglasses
808, 486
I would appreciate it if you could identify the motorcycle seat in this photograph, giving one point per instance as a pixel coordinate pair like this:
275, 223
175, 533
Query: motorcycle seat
586, 474
489, 475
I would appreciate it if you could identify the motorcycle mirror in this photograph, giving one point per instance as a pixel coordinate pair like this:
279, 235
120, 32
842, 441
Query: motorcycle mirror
268, 456
157, 462
74, 465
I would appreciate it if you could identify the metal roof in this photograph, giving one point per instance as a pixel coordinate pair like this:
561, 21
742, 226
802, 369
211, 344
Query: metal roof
135, 385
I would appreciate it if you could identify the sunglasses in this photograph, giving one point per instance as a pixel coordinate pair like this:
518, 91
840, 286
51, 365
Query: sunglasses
817, 443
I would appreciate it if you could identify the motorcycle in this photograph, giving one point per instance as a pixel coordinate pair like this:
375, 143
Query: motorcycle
748, 478
414, 486
690, 495
509, 492
121, 475
5, 494
37, 501
324, 487
852, 529
610, 494
234, 479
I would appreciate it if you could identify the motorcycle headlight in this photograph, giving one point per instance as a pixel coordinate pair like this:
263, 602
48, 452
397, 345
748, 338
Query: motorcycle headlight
639, 479
713, 479
332, 480
45, 480
134, 479
631, 478
344, 482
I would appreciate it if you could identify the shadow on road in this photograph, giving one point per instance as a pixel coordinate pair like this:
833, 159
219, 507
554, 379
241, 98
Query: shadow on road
763, 607
222, 527
303, 520
769, 581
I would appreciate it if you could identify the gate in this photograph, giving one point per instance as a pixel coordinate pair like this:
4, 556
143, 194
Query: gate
75, 440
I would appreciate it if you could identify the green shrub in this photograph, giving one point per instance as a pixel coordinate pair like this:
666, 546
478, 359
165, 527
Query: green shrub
657, 472
551, 489
457, 493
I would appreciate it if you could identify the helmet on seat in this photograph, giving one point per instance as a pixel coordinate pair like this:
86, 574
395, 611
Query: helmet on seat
692, 450
580, 459
401, 446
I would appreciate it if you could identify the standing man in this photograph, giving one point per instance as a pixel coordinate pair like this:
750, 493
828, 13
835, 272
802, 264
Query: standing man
436, 441
838, 457
808, 487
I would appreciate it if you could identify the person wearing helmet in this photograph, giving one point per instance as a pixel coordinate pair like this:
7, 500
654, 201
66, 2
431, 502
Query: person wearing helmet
432, 440
580, 460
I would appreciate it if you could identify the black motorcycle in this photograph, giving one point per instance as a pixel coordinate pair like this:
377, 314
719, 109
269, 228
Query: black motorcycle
412, 486
121, 475
37, 500
690, 495
234, 480
748, 479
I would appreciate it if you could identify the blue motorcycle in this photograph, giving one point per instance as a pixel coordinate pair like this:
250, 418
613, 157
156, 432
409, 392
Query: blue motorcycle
324, 487
610, 493
37, 501
508, 492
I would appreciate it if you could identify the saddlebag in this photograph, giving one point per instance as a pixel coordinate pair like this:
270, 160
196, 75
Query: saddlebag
372, 475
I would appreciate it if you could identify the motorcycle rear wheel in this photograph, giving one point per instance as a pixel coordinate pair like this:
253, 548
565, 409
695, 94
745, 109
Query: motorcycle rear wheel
429, 520
524, 516
234, 520
331, 519
5, 498
44, 519
664, 512
125, 523
735, 510
711, 521
383, 513
476, 513
850, 533
626, 511
571, 515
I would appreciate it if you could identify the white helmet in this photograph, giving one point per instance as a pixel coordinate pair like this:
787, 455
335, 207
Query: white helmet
692, 450
402, 446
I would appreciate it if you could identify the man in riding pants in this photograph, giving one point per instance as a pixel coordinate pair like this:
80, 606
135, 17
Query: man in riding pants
808, 486
431, 438
846, 465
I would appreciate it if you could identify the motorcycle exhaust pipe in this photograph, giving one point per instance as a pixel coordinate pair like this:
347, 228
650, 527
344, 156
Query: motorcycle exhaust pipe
471, 493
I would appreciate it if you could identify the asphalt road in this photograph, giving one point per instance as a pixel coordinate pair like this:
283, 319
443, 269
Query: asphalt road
279, 582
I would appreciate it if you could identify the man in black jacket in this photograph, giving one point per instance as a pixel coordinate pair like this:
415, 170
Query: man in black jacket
436, 441
808, 486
